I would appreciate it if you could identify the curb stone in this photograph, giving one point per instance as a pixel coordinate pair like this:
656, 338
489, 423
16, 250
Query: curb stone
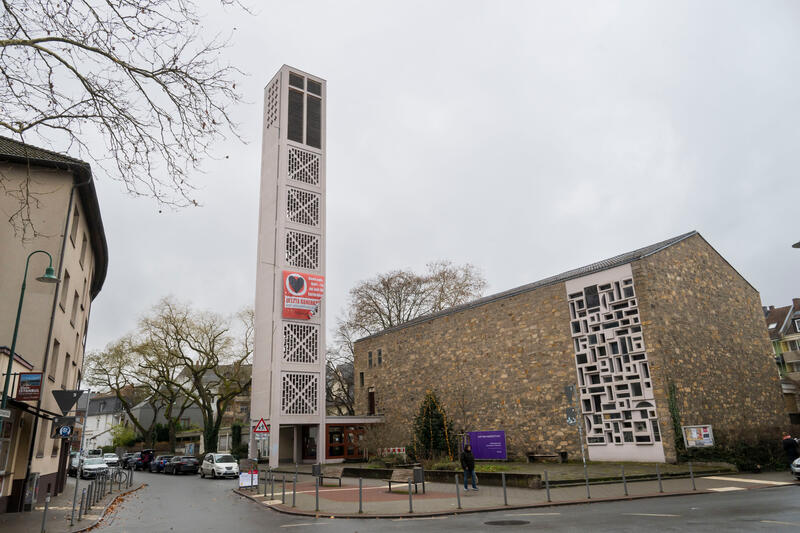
105, 509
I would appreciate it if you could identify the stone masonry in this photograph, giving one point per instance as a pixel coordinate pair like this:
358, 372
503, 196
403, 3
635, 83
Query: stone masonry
503, 361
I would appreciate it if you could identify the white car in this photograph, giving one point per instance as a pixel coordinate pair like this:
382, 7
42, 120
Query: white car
111, 459
219, 465
796, 469
92, 467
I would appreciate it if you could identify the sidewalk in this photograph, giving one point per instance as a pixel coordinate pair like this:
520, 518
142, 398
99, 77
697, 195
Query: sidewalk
59, 511
440, 498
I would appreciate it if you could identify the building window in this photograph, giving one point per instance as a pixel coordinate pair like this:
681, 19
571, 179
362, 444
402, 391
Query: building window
305, 109
380, 357
51, 373
83, 249
65, 373
797, 325
73, 233
361, 378
75, 302
62, 302
369, 359
371, 401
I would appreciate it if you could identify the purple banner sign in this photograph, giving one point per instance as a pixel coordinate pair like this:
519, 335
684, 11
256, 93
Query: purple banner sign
488, 444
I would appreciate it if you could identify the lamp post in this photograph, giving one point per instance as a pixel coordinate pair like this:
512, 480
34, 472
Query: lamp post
48, 277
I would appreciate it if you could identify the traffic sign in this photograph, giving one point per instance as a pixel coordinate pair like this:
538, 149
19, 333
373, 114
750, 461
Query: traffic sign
261, 427
65, 431
66, 399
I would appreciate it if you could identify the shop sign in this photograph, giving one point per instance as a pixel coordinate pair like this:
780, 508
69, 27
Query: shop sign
302, 294
29, 386
488, 444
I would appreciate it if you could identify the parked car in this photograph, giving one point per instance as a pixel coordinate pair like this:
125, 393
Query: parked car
182, 465
157, 464
130, 462
125, 457
140, 460
219, 465
796, 469
74, 464
111, 459
92, 467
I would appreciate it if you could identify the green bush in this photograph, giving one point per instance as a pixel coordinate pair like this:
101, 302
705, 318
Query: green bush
123, 436
444, 465
747, 456
108, 449
491, 467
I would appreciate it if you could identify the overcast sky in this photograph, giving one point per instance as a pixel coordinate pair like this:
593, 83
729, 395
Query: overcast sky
526, 138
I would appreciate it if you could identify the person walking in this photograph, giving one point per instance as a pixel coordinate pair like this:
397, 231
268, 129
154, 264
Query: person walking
468, 464
789, 446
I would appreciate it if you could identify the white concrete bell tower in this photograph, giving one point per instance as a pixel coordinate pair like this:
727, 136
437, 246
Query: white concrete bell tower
288, 389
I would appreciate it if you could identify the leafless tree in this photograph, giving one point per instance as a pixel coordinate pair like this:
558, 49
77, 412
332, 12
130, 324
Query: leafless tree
135, 86
388, 300
117, 369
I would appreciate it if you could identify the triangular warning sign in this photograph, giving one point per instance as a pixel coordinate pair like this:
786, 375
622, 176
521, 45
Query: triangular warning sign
66, 399
261, 427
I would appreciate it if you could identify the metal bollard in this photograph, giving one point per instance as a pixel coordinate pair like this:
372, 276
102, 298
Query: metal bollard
294, 489
272, 484
547, 485
316, 491
505, 494
80, 507
360, 505
410, 504
266, 482
44, 514
586, 477
658, 474
624, 482
130, 477
283, 489
88, 497
458, 492
691, 475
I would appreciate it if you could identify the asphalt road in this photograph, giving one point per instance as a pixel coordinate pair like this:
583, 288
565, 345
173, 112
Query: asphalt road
194, 505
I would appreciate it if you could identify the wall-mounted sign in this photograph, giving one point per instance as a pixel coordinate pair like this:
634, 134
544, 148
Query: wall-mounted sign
29, 386
697, 436
488, 444
302, 294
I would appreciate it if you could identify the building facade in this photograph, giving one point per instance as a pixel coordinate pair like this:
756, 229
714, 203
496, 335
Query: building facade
66, 223
105, 412
783, 325
669, 324
288, 387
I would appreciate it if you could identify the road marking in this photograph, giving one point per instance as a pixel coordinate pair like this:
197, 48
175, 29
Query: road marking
307, 524
420, 518
651, 514
535, 514
726, 489
780, 523
746, 480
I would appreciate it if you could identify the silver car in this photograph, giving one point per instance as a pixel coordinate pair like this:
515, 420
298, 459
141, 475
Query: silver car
93, 467
796, 469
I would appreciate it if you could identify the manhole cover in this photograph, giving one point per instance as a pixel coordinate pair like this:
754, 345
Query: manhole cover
507, 523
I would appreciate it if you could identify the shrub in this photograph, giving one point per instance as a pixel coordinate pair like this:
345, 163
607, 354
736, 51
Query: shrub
444, 465
432, 431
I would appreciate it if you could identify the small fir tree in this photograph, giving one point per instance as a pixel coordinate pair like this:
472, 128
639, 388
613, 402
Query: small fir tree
433, 432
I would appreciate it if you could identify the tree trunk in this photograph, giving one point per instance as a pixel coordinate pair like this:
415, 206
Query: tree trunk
172, 439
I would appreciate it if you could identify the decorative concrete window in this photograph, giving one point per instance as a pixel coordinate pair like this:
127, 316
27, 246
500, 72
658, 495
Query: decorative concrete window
303, 166
614, 383
302, 250
369, 359
271, 104
300, 343
299, 393
302, 206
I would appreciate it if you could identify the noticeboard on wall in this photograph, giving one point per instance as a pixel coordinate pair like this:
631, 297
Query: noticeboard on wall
488, 444
29, 386
697, 436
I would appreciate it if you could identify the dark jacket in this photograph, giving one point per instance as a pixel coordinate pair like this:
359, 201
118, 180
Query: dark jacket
467, 461
789, 446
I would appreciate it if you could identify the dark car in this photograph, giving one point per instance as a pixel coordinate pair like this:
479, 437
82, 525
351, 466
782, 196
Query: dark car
140, 460
130, 462
157, 464
125, 457
182, 465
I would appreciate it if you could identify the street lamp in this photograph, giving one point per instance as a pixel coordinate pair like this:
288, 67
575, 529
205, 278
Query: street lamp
48, 277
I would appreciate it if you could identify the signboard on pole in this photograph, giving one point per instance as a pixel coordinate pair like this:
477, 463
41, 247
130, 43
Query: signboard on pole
248, 479
572, 416
488, 444
697, 436
29, 387
302, 294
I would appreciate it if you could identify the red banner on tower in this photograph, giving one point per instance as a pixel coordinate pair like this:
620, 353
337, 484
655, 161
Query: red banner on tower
302, 294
